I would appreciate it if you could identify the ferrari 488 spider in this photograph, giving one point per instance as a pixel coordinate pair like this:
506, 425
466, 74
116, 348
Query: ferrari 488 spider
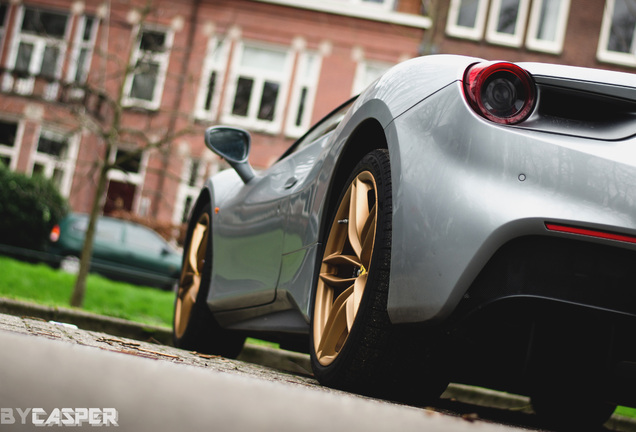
460, 220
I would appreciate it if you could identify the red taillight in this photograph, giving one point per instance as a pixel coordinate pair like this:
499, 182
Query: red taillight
501, 92
55, 234
590, 233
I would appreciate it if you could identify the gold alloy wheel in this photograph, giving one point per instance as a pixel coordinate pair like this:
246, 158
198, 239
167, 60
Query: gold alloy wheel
345, 267
190, 281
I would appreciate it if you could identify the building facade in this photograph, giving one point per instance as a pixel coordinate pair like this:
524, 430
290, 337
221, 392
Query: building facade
71, 69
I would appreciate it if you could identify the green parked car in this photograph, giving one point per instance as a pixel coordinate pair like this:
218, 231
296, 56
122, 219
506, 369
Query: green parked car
123, 250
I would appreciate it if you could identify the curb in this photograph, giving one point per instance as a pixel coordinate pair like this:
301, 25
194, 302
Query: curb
287, 361
87, 321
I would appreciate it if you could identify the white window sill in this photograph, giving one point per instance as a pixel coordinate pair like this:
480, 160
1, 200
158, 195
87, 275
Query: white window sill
619, 58
368, 12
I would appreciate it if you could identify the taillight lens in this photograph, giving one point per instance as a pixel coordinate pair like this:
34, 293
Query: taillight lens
55, 234
501, 92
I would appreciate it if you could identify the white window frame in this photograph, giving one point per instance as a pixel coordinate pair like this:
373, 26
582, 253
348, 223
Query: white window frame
361, 80
251, 121
306, 78
473, 33
383, 4
161, 58
215, 62
78, 45
12, 152
532, 40
604, 54
367, 11
191, 191
512, 40
25, 85
50, 163
136, 179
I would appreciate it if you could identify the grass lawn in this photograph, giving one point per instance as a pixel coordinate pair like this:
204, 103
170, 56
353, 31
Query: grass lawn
44, 285
41, 284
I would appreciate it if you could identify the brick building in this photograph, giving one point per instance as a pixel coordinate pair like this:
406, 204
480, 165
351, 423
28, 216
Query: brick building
271, 66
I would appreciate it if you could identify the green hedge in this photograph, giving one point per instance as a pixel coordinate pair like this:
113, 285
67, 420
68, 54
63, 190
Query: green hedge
29, 208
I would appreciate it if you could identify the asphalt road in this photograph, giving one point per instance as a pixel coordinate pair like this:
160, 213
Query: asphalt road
55, 373
145, 387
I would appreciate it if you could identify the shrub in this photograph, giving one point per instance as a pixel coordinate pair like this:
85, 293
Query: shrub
29, 208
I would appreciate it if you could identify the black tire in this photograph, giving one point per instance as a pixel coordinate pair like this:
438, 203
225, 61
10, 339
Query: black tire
371, 356
194, 326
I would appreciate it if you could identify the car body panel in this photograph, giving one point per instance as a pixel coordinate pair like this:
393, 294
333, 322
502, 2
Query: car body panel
459, 193
482, 185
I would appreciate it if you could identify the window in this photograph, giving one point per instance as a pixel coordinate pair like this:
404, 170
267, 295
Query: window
140, 238
144, 85
192, 178
128, 161
8, 143
129, 165
548, 20
125, 179
466, 18
54, 158
82, 50
258, 87
303, 93
323, 128
616, 44
212, 75
38, 49
4, 8
506, 22
108, 231
367, 72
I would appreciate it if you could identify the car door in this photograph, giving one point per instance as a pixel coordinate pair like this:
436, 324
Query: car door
109, 253
248, 238
149, 254
250, 230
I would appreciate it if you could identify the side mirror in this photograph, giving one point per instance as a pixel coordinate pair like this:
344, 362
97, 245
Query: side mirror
233, 145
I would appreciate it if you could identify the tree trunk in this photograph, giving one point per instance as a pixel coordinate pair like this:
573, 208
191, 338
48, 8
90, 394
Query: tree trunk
77, 298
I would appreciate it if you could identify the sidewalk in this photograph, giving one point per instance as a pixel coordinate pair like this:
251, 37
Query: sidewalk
274, 358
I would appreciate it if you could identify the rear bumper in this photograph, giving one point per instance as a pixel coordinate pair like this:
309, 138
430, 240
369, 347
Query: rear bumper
549, 309
522, 344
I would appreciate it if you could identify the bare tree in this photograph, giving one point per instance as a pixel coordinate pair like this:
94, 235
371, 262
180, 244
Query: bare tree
103, 116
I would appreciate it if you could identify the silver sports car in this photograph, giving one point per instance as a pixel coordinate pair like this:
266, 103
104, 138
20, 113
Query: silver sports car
461, 220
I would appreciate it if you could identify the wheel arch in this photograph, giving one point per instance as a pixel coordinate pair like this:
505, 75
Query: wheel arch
368, 136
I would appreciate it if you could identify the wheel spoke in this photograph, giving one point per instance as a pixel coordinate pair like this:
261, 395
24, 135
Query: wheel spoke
345, 265
196, 253
336, 282
368, 239
358, 213
190, 281
335, 328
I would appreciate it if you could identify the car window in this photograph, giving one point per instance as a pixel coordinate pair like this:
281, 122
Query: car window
108, 230
139, 237
322, 128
